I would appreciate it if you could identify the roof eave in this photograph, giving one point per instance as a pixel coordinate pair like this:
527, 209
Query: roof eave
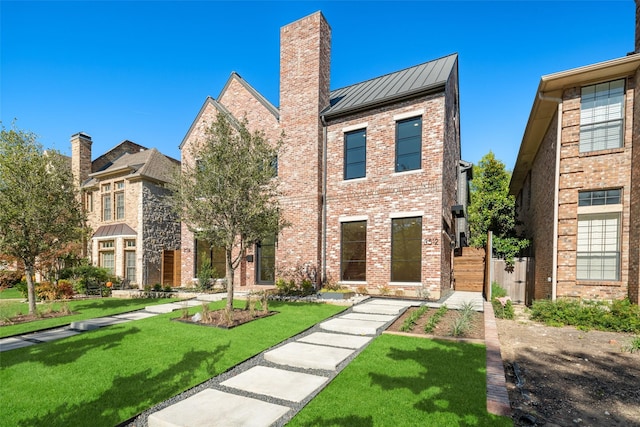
543, 110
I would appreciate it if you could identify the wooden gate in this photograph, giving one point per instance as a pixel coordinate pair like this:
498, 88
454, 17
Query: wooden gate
171, 268
513, 280
468, 270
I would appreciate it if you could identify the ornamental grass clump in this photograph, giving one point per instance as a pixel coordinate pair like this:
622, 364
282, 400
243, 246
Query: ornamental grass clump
462, 323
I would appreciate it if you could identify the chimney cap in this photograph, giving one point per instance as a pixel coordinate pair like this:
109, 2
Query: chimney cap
82, 135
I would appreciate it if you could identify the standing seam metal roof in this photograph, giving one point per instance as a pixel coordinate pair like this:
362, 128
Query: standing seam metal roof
404, 83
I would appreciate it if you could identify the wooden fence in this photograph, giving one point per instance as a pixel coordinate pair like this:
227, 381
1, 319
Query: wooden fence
513, 280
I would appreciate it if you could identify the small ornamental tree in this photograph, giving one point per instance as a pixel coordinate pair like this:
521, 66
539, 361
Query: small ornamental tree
39, 210
228, 194
493, 209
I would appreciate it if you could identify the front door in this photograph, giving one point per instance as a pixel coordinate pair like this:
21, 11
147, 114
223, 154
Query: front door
266, 261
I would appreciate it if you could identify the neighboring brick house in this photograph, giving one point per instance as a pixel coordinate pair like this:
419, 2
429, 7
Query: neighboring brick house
369, 172
577, 182
133, 228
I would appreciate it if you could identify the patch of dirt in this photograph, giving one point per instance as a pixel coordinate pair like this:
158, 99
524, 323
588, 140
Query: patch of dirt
443, 327
219, 318
24, 318
568, 377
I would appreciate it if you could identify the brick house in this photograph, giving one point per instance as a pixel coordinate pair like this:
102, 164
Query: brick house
133, 228
369, 172
577, 182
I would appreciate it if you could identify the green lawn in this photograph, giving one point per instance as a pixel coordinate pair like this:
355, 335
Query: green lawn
10, 293
83, 309
402, 381
106, 376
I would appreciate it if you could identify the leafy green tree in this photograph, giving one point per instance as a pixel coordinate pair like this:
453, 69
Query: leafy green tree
39, 210
493, 209
228, 195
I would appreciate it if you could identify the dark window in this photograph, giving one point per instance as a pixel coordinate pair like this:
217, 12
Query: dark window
266, 259
406, 249
216, 256
353, 256
355, 154
599, 198
408, 144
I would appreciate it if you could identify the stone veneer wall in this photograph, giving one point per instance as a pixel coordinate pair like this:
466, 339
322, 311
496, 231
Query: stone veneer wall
160, 231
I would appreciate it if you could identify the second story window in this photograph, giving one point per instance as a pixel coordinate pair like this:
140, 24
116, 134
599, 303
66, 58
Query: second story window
408, 144
355, 154
601, 116
119, 200
106, 202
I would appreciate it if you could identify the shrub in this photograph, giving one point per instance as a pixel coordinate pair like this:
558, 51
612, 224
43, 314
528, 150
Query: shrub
362, 290
618, 316
9, 278
502, 304
497, 291
384, 290
22, 287
206, 273
157, 287
65, 289
167, 288
46, 291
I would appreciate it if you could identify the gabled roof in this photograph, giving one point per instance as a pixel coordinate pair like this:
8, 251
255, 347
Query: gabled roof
147, 164
544, 107
417, 80
269, 106
209, 101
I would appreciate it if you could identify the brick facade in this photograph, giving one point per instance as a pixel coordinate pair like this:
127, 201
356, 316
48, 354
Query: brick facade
579, 171
315, 197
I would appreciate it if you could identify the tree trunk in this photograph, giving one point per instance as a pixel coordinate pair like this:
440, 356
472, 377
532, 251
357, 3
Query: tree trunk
31, 291
229, 278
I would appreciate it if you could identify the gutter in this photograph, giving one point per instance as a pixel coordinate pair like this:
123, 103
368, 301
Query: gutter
556, 196
323, 255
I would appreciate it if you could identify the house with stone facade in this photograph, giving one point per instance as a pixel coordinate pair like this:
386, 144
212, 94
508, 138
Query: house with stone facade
368, 173
577, 182
134, 232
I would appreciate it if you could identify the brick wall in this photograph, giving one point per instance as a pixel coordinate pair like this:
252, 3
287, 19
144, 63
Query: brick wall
634, 226
384, 193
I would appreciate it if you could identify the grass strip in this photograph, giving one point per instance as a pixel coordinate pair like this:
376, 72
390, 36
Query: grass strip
406, 381
84, 309
410, 322
433, 320
106, 376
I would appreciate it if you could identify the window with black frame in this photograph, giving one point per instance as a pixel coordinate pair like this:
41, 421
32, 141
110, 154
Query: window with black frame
353, 251
406, 249
355, 154
408, 144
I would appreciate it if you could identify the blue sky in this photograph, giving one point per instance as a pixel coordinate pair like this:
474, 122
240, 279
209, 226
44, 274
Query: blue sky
141, 70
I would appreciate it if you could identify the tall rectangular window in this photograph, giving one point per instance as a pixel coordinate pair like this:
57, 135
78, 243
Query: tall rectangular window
130, 265
598, 250
106, 202
406, 249
266, 260
107, 256
216, 256
355, 154
601, 116
353, 251
408, 144
120, 205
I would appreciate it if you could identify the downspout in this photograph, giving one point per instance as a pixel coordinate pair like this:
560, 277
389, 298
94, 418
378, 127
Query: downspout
556, 196
323, 255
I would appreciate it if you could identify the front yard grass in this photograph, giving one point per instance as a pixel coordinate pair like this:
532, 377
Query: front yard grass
404, 381
106, 376
85, 309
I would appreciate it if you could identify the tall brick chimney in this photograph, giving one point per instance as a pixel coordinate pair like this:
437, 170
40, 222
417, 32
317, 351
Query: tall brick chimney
81, 157
305, 65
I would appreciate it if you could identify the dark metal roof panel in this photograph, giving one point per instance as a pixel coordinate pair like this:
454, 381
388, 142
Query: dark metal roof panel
407, 82
114, 230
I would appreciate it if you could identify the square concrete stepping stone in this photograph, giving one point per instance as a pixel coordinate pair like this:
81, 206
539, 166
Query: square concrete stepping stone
7, 344
336, 340
308, 356
391, 310
213, 297
216, 408
163, 308
352, 326
51, 335
136, 315
287, 385
368, 316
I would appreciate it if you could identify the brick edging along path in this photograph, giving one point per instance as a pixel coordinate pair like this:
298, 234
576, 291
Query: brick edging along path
497, 396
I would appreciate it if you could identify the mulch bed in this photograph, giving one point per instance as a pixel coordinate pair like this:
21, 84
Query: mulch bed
443, 327
218, 319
